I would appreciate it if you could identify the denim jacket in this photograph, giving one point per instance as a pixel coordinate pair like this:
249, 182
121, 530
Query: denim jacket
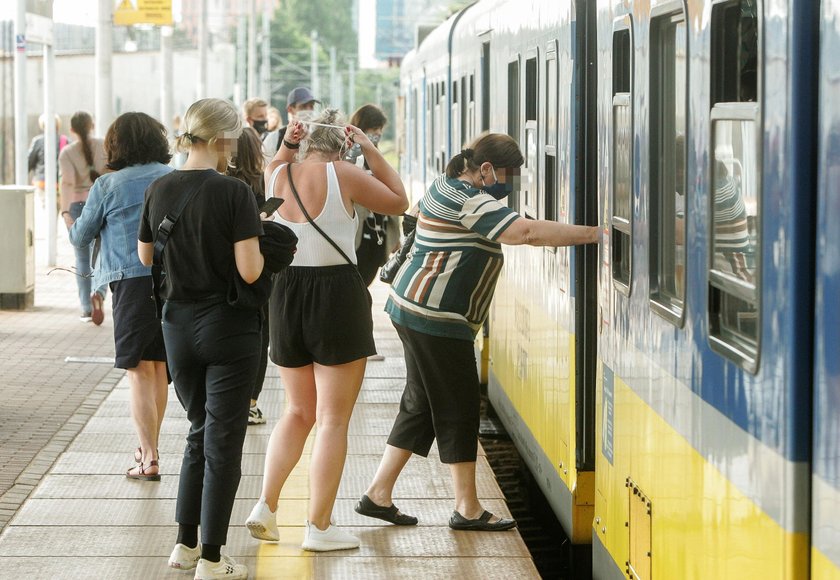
112, 211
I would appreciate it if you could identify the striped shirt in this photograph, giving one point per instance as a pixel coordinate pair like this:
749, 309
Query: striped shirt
445, 286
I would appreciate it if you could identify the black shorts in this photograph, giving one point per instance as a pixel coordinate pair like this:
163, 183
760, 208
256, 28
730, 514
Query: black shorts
137, 332
319, 315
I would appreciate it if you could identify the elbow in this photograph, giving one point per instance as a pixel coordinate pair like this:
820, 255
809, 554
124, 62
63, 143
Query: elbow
403, 207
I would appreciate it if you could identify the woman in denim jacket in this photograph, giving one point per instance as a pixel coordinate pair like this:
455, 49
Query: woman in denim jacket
138, 153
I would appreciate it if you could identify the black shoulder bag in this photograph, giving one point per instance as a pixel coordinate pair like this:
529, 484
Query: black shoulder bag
164, 231
392, 266
309, 219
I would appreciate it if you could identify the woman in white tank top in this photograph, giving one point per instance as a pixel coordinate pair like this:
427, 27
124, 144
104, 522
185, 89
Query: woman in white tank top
320, 321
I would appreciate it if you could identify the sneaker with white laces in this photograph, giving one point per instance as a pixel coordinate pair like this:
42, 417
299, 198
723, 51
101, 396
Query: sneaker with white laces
255, 416
225, 568
262, 523
184, 558
332, 538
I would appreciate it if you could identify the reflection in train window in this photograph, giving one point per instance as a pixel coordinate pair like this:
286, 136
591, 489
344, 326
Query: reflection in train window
668, 81
622, 159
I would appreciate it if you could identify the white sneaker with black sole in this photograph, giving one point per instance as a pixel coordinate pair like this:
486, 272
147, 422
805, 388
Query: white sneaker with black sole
332, 538
262, 523
255, 416
225, 568
184, 558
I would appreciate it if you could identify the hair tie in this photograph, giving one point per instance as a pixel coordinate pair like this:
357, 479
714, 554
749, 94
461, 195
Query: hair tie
467, 153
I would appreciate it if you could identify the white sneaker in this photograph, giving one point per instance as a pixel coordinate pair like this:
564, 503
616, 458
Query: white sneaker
332, 538
225, 568
184, 558
255, 416
262, 523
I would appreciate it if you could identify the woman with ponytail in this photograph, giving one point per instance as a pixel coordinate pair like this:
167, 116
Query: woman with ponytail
80, 163
439, 300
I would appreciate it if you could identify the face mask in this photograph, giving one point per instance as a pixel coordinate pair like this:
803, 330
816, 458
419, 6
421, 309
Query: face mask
497, 190
374, 138
260, 126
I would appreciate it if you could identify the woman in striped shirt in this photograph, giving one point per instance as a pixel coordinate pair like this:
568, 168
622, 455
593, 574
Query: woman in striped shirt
439, 300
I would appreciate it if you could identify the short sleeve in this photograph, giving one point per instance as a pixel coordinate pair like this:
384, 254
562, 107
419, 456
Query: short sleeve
246, 215
144, 233
485, 215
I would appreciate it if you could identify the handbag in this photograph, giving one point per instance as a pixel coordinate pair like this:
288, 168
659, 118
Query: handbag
395, 262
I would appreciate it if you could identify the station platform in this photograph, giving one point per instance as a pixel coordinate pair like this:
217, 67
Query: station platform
84, 519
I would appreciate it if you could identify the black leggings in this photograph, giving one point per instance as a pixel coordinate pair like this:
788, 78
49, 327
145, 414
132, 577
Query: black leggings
213, 351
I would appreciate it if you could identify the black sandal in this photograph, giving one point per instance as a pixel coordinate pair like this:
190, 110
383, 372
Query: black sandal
482, 524
366, 507
142, 475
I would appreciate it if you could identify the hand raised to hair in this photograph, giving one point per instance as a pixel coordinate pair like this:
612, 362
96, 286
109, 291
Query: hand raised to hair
296, 132
355, 135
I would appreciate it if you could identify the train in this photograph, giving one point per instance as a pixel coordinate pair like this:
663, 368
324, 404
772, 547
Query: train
674, 391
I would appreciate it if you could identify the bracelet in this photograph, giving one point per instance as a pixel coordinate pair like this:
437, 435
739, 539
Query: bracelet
64, 212
291, 145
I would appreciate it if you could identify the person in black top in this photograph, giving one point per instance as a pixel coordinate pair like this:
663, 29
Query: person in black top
212, 348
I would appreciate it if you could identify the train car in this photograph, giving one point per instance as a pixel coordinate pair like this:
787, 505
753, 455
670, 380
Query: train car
825, 490
660, 388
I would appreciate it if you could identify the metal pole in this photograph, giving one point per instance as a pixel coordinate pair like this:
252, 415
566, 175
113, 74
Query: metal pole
333, 80
313, 71
50, 170
252, 50
241, 57
265, 70
351, 81
167, 77
21, 129
103, 82
201, 87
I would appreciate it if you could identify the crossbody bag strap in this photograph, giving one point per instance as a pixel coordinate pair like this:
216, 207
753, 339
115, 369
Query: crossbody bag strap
309, 219
164, 231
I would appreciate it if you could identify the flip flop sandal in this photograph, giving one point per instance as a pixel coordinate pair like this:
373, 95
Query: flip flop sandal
366, 507
138, 454
141, 472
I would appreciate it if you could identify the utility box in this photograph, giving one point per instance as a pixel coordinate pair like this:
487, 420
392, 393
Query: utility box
17, 247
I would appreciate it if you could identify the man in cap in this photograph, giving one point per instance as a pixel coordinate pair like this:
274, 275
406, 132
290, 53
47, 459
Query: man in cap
299, 99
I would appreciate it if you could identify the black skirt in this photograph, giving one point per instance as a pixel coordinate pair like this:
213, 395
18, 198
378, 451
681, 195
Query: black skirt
137, 331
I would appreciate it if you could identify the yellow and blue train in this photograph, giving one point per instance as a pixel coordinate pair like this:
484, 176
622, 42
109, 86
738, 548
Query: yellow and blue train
675, 392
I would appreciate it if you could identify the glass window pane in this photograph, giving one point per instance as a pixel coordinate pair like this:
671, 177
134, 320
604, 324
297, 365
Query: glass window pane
622, 168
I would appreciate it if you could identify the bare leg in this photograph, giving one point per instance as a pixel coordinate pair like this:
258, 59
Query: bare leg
147, 396
382, 487
289, 435
161, 394
338, 388
466, 496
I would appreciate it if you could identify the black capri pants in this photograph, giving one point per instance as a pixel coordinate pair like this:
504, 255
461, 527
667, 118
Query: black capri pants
213, 352
442, 397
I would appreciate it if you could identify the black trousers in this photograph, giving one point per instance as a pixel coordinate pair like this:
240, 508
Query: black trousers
442, 397
262, 365
213, 351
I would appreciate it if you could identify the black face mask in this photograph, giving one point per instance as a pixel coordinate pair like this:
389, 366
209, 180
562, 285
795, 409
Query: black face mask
260, 126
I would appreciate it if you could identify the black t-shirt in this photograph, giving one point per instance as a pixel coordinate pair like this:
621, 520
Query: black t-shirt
198, 258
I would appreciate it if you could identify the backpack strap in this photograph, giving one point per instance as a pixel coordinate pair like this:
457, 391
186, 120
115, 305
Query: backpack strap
309, 219
164, 232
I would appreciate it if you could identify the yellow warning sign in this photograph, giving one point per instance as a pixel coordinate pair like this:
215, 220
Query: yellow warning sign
128, 12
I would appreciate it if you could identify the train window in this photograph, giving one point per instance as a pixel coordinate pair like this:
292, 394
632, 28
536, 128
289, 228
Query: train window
455, 107
465, 135
622, 159
550, 160
531, 89
485, 86
668, 81
733, 275
416, 123
471, 122
735, 52
514, 116
735, 208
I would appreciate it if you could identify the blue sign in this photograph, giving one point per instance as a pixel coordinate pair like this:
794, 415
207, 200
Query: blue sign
20, 42
607, 414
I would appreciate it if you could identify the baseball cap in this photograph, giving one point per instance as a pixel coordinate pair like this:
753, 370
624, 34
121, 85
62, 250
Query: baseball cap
300, 95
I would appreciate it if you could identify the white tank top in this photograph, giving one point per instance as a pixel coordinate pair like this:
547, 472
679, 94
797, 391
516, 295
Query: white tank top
312, 248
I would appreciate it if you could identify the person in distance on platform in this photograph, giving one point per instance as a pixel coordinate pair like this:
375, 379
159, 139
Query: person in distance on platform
255, 111
137, 153
36, 157
274, 119
212, 347
321, 324
439, 300
300, 102
248, 166
81, 163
